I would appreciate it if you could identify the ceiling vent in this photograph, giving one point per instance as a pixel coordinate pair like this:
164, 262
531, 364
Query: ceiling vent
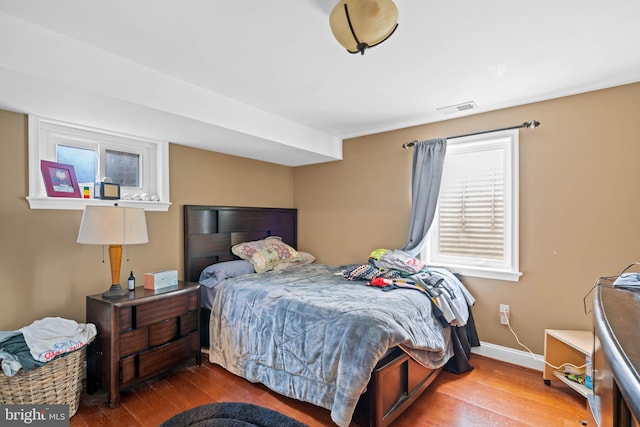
458, 108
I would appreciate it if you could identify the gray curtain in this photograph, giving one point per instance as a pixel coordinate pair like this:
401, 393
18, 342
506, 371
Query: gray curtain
428, 158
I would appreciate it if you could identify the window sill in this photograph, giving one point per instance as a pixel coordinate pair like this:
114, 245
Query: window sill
64, 203
485, 273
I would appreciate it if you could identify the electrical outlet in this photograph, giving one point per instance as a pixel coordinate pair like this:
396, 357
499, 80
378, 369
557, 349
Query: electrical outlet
504, 314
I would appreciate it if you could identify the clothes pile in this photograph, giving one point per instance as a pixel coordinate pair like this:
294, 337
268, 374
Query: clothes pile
451, 302
395, 269
385, 263
42, 341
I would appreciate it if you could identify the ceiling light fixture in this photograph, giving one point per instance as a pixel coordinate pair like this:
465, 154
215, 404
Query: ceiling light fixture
361, 24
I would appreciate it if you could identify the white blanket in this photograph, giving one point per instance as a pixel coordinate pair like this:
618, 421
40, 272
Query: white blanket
53, 336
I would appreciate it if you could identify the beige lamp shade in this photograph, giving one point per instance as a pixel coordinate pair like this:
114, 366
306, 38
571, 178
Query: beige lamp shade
361, 24
113, 225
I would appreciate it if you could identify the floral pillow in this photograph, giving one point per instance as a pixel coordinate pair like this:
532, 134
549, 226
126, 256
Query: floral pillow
305, 258
266, 254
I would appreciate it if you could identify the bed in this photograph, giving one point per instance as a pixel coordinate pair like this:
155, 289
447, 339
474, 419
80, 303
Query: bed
322, 346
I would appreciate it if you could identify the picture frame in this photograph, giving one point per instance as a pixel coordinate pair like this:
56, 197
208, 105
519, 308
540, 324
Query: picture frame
106, 191
59, 179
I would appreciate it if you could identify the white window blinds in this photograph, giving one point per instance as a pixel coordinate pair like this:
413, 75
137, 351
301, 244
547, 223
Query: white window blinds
471, 212
475, 231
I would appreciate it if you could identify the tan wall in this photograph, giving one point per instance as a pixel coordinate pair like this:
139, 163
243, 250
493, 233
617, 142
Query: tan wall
579, 205
44, 272
578, 213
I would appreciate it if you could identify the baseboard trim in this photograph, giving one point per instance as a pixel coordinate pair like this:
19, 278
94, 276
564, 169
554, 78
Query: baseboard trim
510, 355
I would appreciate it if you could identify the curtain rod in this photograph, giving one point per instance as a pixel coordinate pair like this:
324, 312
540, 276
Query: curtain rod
530, 125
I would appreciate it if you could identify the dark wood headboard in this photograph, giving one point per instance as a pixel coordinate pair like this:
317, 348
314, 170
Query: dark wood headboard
211, 231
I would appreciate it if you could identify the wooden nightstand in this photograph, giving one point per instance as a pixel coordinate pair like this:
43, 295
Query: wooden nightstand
141, 335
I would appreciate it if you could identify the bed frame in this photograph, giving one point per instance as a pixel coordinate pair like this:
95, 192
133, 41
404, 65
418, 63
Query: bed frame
209, 234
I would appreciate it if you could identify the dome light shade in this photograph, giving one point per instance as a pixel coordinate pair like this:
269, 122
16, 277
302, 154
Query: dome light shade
361, 24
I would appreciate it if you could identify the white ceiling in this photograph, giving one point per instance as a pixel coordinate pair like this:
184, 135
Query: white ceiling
267, 80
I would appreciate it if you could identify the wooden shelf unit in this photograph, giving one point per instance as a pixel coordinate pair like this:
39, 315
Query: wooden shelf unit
566, 346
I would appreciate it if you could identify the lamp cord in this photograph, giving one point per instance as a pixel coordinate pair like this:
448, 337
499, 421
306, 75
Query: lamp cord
600, 281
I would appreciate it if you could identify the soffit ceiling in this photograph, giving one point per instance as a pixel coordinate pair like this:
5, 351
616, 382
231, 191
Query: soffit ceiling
267, 80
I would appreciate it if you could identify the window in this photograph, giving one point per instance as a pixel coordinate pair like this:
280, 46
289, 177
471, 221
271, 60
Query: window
123, 168
139, 165
475, 230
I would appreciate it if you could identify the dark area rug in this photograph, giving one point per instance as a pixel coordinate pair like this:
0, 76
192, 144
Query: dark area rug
231, 414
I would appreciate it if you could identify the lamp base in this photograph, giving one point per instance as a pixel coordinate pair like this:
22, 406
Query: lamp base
115, 292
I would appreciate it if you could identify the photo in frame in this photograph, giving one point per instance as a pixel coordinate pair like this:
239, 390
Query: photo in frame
59, 179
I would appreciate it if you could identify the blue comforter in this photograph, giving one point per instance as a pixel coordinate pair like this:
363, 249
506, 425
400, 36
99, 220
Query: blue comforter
309, 334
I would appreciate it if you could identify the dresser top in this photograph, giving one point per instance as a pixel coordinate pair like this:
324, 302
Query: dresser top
141, 295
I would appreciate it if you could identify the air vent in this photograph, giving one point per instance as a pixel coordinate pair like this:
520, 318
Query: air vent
465, 106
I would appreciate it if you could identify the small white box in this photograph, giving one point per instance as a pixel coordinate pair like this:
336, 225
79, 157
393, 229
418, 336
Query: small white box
161, 279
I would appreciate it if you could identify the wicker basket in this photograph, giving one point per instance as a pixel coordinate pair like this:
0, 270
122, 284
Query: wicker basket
56, 382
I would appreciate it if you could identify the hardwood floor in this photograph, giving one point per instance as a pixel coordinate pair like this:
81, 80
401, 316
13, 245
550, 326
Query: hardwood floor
493, 394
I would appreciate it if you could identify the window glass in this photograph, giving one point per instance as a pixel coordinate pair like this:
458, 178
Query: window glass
123, 168
472, 205
84, 162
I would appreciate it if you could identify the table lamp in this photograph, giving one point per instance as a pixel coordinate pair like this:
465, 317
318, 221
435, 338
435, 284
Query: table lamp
114, 226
